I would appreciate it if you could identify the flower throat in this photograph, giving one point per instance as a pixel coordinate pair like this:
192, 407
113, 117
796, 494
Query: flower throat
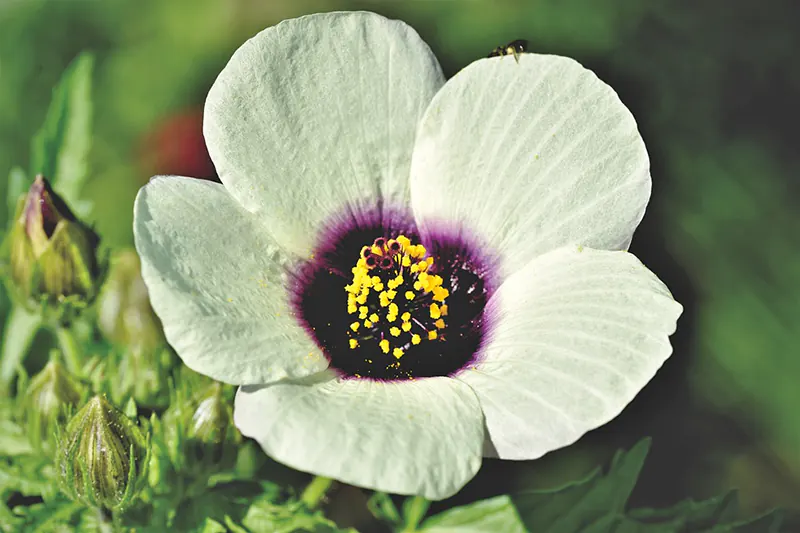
382, 305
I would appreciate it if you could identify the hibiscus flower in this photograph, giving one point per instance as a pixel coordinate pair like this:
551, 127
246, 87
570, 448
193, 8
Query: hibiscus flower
405, 274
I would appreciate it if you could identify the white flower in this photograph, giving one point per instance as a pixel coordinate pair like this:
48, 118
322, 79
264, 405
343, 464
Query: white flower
523, 180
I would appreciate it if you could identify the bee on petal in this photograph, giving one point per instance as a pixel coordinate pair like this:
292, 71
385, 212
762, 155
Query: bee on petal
514, 48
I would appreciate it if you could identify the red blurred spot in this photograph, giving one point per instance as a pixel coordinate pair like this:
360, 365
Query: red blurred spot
176, 146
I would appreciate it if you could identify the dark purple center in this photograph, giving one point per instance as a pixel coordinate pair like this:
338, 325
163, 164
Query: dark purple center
320, 299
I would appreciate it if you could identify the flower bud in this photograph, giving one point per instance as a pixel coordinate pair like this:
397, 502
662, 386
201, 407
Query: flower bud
49, 397
212, 437
124, 313
53, 255
102, 456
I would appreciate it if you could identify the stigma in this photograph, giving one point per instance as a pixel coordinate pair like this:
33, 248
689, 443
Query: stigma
395, 297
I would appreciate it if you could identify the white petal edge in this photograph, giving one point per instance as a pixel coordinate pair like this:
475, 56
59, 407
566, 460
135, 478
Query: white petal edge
316, 116
216, 280
530, 156
576, 334
413, 437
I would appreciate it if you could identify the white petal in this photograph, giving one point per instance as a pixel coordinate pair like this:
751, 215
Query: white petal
578, 333
319, 113
216, 280
530, 156
412, 437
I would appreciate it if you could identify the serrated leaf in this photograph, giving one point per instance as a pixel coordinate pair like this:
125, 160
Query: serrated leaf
574, 507
485, 516
60, 149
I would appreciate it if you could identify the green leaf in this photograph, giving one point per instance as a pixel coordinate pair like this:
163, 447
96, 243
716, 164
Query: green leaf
13, 440
29, 475
485, 516
266, 516
572, 508
9, 523
60, 149
224, 500
692, 515
769, 522
212, 526
18, 184
21, 326
61, 516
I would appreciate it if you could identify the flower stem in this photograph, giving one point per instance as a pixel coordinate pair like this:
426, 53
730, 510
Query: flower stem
69, 346
414, 510
315, 490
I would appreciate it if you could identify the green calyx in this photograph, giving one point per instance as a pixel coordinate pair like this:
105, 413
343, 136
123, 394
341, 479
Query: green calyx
102, 456
52, 255
50, 396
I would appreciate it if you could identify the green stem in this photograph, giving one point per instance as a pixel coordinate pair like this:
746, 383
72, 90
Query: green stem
415, 510
72, 353
315, 490
21, 328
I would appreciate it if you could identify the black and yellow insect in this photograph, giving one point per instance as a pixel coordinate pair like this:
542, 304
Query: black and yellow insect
514, 48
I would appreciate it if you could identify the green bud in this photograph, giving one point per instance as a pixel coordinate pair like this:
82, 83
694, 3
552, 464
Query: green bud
124, 313
51, 394
211, 431
199, 430
102, 456
52, 254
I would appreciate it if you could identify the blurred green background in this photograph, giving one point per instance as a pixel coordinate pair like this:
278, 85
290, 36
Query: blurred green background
714, 86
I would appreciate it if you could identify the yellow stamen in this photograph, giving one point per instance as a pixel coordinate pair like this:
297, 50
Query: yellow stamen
432, 335
355, 325
398, 353
435, 311
406, 326
415, 339
384, 344
353, 344
395, 331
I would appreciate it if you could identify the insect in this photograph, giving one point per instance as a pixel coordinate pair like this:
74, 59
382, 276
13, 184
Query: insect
514, 48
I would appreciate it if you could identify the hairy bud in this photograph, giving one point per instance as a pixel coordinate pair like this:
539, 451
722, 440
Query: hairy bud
102, 456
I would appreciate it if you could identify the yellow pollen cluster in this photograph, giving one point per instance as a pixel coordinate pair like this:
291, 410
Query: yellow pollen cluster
394, 292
